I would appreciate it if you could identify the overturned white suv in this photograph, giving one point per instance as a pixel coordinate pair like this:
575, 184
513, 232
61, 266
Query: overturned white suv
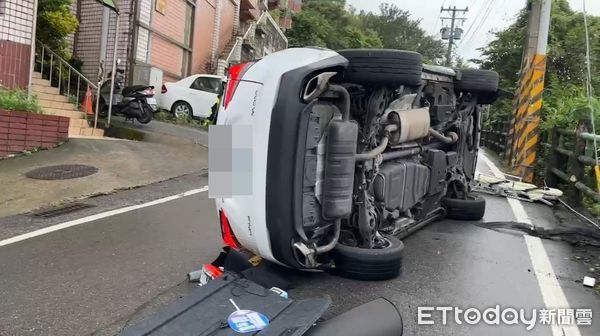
351, 151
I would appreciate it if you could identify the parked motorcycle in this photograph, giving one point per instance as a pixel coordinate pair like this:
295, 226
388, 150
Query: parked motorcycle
135, 101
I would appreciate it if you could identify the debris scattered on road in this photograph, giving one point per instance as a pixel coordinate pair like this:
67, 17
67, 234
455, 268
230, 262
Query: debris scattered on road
589, 282
513, 187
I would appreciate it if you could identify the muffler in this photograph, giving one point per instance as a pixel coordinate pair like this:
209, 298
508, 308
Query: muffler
376, 318
338, 181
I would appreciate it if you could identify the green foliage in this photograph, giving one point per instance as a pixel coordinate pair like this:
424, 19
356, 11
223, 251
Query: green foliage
564, 95
326, 23
55, 22
16, 100
397, 30
566, 105
167, 116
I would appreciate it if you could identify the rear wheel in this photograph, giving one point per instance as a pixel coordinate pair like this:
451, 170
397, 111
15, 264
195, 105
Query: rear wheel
471, 208
482, 83
370, 264
182, 109
147, 114
383, 67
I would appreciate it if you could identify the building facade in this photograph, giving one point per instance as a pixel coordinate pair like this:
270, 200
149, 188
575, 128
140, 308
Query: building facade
152, 33
16, 35
175, 38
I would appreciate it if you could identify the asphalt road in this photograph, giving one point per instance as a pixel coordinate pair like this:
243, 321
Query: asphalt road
97, 277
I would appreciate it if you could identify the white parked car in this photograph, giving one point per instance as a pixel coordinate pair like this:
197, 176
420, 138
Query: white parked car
193, 96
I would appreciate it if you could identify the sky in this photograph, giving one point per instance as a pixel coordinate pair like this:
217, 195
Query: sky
501, 14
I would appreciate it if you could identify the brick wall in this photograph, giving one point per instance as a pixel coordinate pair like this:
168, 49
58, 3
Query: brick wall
16, 27
89, 33
163, 53
20, 131
167, 57
203, 35
205, 28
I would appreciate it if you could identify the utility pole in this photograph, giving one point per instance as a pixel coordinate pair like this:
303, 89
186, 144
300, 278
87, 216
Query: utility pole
454, 33
523, 134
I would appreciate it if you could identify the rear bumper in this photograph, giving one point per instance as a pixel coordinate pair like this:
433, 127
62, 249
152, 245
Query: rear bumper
286, 160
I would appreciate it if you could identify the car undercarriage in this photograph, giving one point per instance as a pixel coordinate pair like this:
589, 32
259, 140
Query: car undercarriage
384, 155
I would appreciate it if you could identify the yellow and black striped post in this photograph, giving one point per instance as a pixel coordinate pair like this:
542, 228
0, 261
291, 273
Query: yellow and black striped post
524, 132
523, 135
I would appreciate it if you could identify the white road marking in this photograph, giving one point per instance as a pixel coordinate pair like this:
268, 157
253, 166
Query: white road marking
552, 293
101, 215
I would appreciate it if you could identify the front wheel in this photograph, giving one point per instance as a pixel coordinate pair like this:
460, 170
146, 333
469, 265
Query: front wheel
181, 110
370, 264
471, 208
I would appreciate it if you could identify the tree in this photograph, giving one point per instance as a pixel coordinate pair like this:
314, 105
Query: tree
398, 31
54, 23
326, 23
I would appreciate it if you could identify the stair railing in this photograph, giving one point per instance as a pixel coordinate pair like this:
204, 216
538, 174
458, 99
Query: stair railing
60, 73
235, 52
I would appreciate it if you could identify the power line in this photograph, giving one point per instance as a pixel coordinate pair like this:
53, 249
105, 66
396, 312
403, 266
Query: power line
481, 10
484, 18
439, 15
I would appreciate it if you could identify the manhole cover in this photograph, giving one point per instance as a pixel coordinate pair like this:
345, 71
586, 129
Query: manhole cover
61, 172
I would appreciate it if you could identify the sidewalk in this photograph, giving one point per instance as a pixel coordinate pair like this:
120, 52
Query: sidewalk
161, 132
121, 164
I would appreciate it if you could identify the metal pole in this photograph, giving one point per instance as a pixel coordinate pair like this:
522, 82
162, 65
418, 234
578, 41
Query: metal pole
32, 55
101, 59
114, 68
451, 39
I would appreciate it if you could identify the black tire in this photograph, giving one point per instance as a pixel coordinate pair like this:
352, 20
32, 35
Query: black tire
383, 67
147, 114
181, 104
369, 264
477, 80
472, 208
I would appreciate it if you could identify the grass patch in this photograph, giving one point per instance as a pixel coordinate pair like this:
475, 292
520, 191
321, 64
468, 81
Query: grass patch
169, 117
16, 100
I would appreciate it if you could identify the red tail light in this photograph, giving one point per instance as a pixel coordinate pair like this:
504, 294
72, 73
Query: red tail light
227, 233
163, 89
236, 72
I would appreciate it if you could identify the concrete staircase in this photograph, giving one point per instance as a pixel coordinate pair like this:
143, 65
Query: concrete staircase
53, 103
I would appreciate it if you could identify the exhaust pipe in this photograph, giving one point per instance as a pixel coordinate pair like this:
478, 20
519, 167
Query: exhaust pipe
377, 318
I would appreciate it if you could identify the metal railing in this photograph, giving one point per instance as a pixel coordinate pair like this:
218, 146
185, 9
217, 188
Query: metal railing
571, 162
493, 134
238, 43
60, 73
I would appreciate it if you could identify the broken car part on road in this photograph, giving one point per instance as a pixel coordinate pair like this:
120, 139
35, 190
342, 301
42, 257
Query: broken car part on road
206, 310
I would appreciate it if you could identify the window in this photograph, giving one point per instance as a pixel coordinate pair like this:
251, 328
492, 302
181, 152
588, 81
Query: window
208, 84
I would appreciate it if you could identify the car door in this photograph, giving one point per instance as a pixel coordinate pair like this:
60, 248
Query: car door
203, 94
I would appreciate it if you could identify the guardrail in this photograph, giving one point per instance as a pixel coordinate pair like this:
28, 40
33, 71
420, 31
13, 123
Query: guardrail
493, 134
571, 162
